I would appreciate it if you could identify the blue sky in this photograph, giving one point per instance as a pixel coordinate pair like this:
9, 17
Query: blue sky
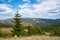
49, 9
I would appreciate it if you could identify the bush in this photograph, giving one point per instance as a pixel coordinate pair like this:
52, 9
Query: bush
24, 33
34, 30
0, 34
57, 32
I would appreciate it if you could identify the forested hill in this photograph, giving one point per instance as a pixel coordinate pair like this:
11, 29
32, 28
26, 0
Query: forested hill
33, 21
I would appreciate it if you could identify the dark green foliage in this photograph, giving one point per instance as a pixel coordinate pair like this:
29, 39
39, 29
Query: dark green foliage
0, 34
17, 28
57, 32
34, 30
39, 30
5, 25
29, 30
24, 33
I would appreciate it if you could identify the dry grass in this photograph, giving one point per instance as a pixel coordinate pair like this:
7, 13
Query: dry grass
6, 30
32, 38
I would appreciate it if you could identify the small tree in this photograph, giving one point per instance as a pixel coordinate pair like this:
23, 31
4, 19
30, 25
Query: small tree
17, 28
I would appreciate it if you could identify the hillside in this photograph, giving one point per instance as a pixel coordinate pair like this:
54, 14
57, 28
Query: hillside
33, 21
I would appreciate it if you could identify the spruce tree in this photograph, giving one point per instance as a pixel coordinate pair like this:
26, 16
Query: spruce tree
17, 28
29, 30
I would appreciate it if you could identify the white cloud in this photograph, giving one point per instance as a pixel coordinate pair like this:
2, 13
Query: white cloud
41, 9
6, 9
51, 14
26, 10
26, 0
39, 1
45, 6
26, 5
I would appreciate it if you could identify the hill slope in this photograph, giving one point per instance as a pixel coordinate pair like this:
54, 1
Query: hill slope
33, 21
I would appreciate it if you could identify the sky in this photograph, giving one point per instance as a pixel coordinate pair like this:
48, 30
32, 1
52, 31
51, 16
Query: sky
49, 9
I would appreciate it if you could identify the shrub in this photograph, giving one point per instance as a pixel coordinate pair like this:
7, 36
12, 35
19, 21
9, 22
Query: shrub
57, 32
0, 34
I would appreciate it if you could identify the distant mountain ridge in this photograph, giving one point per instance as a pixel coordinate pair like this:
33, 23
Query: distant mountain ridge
33, 21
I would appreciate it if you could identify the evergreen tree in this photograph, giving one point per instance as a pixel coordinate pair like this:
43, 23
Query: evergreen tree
17, 28
29, 30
